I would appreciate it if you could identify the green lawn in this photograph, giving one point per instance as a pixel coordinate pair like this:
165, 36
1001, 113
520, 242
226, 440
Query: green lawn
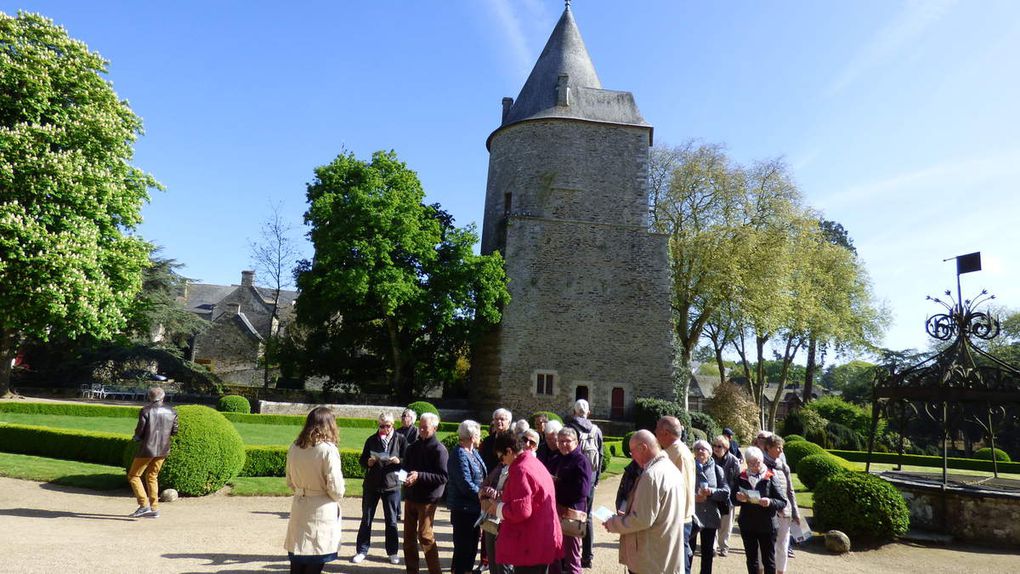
277, 486
101, 424
65, 472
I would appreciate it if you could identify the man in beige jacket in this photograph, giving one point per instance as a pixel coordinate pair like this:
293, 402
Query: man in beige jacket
651, 528
668, 432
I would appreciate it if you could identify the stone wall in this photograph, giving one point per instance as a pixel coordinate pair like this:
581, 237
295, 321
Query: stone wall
988, 518
226, 346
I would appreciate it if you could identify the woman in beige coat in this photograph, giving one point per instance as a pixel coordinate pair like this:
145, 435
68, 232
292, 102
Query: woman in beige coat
313, 473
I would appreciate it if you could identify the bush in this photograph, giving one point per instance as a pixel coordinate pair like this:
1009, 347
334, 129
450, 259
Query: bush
838, 410
698, 434
793, 438
205, 453
451, 442
549, 415
732, 406
70, 409
647, 413
814, 468
861, 505
706, 423
422, 407
272, 461
843, 437
79, 445
986, 454
234, 404
795, 452
806, 423
626, 443
925, 460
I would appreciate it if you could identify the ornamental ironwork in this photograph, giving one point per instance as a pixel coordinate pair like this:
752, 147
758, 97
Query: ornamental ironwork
961, 387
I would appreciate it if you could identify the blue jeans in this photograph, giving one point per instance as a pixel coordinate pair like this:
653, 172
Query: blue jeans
369, 501
688, 553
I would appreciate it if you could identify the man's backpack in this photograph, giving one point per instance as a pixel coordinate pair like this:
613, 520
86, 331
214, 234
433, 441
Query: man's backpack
591, 451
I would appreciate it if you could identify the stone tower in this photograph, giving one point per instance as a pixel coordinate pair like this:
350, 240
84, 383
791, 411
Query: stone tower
567, 206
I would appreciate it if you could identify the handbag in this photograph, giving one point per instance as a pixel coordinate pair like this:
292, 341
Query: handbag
490, 524
573, 523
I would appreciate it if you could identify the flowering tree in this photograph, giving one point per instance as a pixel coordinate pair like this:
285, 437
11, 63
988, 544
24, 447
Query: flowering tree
69, 201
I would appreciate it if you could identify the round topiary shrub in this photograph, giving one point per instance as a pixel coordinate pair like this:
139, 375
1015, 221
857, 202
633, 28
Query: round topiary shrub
986, 454
422, 407
205, 453
814, 468
796, 451
697, 434
626, 443
862, 505
706, 423
234, 404
793, 438
549, 415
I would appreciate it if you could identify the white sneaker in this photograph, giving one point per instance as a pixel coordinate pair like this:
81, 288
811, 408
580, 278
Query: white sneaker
394, 559
358, 558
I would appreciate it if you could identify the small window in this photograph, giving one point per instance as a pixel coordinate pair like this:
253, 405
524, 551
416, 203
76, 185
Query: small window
507, 203
581, 392
544, 384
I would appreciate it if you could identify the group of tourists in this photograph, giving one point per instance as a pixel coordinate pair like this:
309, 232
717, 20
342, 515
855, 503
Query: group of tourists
522, 497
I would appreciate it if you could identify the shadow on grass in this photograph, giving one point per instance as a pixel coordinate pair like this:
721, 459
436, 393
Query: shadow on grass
38, 513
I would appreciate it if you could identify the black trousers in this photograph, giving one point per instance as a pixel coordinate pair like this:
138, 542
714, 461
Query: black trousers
465, 539
586, 541
296, 568
369, 501
764, 542
707, 546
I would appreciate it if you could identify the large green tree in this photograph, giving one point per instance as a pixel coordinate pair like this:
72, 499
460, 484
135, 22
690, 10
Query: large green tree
394, 289
69, 200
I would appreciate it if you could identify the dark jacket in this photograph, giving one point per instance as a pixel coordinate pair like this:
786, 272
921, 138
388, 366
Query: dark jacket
427, 457
631, 474
731, 465
572, 478
156, 424
754, 517
466, 471
410, 434
547, 456
382, 477
487, 452
735, 448
583, 427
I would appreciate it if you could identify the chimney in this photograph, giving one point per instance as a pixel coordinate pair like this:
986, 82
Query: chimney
507, 104
246, 278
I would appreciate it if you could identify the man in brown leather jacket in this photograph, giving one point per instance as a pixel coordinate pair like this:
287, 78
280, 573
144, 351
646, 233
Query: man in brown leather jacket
156, 424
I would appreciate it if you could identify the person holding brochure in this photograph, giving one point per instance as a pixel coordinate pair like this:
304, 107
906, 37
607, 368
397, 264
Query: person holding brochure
711, 494
466, 471
760, 497
381, 458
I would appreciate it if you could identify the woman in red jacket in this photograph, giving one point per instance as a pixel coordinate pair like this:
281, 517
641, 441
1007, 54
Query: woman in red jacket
529, 532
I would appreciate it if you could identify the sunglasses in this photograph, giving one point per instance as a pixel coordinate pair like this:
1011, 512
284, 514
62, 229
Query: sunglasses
531, 442
718, 446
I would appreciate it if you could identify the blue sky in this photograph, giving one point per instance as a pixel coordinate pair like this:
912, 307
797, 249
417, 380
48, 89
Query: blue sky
899, 118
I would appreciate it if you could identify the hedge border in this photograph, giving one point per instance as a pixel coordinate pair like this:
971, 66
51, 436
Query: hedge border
272, 461
298, 420
67, 444
925, 460
70, 409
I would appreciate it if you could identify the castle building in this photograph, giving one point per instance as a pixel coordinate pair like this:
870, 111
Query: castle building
567, 206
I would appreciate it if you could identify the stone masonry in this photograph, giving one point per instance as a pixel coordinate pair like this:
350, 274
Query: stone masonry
567, 206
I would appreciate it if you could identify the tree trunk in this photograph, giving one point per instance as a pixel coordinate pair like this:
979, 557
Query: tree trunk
274, 323
809, 374
402, 378
721, 364
8, 351
759, 347
682, 375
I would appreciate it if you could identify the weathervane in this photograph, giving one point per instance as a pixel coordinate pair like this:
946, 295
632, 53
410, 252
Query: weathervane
962, 317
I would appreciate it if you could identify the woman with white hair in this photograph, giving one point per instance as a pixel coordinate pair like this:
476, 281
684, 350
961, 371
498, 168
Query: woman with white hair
760, 497
548, 450
466, 471
711, 491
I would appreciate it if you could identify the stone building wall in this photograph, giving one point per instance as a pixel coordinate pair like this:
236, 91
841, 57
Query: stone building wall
227, 346
984, 518
589, 283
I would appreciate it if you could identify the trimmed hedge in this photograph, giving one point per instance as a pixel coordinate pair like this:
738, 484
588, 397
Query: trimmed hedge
861, 505
986, 454
647, 413
70, 409
204, 455
451, 442
272, 461
234, 404
814, 468
422, 407
797, 451
793, 438
83, 446
626, 443
706, 423
299, 420
924, 460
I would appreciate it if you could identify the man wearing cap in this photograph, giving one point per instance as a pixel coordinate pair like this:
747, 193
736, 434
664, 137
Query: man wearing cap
734, 445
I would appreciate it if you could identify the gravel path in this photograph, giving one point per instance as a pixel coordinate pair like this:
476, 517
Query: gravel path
45, 528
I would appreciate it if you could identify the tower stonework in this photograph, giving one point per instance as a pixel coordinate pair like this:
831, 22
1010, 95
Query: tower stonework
567, 206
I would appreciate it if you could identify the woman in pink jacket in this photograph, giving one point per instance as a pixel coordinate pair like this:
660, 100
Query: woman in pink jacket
529, 532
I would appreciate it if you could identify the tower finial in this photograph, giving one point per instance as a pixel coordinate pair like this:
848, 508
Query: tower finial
567, 2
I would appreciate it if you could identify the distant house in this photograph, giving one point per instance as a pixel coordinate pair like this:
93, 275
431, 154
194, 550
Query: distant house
702, 388
242, 320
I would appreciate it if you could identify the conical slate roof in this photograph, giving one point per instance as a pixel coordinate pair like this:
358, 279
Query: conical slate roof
564, 53
581, 97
